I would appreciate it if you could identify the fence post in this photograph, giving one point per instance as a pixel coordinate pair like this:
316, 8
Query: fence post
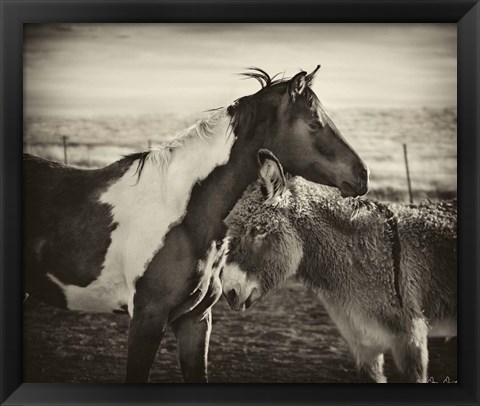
149, 145
408, 172
64, 139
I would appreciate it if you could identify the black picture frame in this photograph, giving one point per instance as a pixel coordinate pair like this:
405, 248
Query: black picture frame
14, 13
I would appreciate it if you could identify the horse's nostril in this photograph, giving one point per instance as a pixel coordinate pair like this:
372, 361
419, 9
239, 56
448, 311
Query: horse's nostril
364, 174
363, 181
359, 186
360, 171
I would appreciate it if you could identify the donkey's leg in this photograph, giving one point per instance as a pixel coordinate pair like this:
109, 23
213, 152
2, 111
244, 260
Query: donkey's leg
145, 334
369, 358
370, 365
193, 335
410, 352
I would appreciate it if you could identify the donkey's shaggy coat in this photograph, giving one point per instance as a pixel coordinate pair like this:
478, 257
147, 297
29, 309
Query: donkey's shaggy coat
385, 272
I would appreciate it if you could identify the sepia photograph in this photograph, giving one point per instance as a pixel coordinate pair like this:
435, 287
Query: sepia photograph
240, 203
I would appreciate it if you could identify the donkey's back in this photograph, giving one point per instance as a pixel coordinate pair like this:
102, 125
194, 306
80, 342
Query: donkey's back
428, 257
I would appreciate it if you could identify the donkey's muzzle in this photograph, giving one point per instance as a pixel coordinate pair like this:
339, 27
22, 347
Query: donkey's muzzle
232, 297
236, 302
233, 300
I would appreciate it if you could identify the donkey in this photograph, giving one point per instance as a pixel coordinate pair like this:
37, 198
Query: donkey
140, 234
386, 273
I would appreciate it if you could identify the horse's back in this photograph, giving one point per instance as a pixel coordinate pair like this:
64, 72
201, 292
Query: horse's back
67, 229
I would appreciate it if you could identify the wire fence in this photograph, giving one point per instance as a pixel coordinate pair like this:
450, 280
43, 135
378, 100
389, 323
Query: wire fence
395, 164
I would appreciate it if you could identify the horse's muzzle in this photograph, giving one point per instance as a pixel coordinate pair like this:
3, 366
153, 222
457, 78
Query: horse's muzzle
360, 187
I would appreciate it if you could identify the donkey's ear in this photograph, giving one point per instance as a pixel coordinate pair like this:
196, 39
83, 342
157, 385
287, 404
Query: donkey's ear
297, 85
271, 176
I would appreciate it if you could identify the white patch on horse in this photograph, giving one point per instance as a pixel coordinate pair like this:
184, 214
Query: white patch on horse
145, 211
105, 294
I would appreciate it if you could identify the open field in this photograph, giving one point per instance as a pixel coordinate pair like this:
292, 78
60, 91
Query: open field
377, 135
287, 337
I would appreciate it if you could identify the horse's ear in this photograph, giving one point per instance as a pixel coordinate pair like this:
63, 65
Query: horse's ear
310, 76
297, 85
271, 176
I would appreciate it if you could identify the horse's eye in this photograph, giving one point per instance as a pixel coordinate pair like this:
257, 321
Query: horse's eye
315, 125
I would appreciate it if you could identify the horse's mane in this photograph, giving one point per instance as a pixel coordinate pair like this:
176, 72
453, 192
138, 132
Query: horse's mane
263, 77
242, 112
161, 155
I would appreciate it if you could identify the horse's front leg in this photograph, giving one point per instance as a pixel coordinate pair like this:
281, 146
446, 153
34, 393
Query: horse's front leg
193, 336
192, 330
146, 331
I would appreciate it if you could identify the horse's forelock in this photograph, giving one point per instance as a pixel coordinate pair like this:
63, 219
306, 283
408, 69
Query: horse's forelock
244, 110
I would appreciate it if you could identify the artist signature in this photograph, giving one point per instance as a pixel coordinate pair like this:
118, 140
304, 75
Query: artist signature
446, 380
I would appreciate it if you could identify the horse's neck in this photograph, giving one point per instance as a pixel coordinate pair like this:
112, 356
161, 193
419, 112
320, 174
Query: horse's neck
198, 184
205, 146
213, 199
154, 192
174, 169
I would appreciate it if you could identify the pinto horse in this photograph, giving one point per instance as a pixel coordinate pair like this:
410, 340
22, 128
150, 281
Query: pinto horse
139, 234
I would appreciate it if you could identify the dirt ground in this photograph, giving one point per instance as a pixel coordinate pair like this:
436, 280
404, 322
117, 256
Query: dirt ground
287, 337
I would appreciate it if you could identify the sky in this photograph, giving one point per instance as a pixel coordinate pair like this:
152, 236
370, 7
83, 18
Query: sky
119, 69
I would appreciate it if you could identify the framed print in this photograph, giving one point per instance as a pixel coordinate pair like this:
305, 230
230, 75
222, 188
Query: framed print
257, 196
